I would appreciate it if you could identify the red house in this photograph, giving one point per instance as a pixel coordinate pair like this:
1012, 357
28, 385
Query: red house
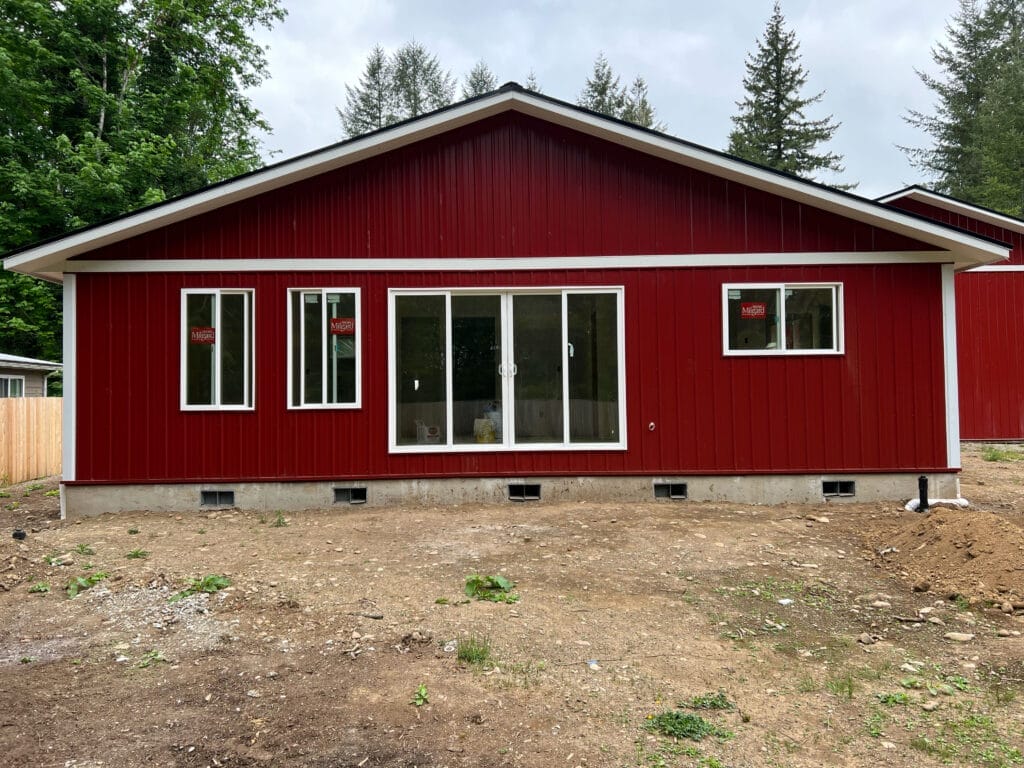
989, 302
508, 298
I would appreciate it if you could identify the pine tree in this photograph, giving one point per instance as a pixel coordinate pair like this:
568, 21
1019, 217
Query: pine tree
370, 105
479, 81
420, 85
637, 109
602, 92
396, 88
979, 63
999, 138
532, 84
771, 127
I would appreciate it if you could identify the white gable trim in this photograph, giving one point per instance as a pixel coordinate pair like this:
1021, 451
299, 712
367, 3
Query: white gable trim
957, 206
49, 259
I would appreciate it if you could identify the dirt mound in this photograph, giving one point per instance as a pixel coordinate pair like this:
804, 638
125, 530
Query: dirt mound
965, 552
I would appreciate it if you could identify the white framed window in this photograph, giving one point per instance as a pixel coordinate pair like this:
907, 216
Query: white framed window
217, 349
782, 319
12, 386
506, 369
324, 348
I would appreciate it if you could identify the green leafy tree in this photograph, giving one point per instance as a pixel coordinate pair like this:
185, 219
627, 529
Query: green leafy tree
771, 127
479, 81
391, 89
109, 106
975, 118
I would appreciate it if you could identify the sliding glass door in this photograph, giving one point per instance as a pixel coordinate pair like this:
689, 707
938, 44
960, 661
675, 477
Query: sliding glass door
473, 370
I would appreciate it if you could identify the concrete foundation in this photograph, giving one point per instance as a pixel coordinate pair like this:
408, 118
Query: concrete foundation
87, 500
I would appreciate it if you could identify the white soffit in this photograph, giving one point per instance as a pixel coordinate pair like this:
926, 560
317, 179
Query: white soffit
48, 259
961, 207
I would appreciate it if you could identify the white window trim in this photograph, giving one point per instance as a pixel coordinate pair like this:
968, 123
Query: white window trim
506, 387
250, 350
13, 377
359, 352
838, 326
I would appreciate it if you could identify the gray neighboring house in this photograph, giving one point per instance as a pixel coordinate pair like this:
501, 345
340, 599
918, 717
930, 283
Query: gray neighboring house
24, 376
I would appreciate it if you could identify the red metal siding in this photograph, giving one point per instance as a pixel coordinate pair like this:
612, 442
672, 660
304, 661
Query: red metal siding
990, 335
510, 185
878, 407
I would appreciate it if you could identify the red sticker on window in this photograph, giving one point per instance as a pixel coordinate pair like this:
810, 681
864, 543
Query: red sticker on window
343, 326
753, 310
200, 334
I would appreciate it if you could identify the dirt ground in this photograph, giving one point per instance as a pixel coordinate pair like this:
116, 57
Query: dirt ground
799, 635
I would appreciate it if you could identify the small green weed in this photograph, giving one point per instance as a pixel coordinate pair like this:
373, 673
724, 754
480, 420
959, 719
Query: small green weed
137, 554
33, 487
27, 659
442, 601
40, 588
474, 650
911, 683
807, 684
875, 723
842, 686
683, 725
420, 696
132, 531
1001, 695
496, 589
53, 493
84, 549
151, 658
4, 495
893, 699
53, 560
201, 531
208, 584
279, 521
708, 701
992, 453
82, 583
961, 602
959, 682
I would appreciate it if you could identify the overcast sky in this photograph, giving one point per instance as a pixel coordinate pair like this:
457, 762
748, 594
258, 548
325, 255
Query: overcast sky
862, 53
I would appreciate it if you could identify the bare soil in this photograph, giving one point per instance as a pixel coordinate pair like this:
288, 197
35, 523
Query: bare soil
805, 617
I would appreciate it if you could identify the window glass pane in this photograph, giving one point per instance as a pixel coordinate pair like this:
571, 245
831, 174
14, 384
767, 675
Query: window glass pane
420, 369
476, 355
537, 344
17, 387
312, 352
233, 363
753, 318
296, 362
201, 345
341, 351
593, 368
809, 318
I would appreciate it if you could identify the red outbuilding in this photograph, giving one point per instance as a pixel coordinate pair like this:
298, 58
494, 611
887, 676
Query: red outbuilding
989, 307
508, 298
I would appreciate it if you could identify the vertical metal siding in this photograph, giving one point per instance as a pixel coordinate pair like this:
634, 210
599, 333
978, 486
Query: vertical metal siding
990, 335
877, 407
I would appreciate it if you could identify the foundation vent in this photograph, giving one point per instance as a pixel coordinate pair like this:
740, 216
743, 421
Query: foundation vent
670, 491
216, 498
349, 495
838, 488
524, 491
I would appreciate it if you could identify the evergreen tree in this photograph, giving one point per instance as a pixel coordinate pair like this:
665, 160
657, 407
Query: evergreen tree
479, 81
971, 127
637, 109
532, 84
420, 85
108, 106
396, 88
602, 92
371, 105
771, 127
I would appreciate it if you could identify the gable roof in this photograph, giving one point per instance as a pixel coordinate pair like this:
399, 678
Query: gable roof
955, 205
28, 363
48, 259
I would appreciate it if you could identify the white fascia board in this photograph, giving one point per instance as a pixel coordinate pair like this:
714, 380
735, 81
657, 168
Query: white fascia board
957, 206
658, 261
49, 257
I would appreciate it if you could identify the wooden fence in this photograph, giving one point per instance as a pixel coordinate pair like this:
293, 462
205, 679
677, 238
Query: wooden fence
30, 438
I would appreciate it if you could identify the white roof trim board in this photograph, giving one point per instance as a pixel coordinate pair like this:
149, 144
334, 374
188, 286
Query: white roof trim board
956, 206
50, 259
28, 363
